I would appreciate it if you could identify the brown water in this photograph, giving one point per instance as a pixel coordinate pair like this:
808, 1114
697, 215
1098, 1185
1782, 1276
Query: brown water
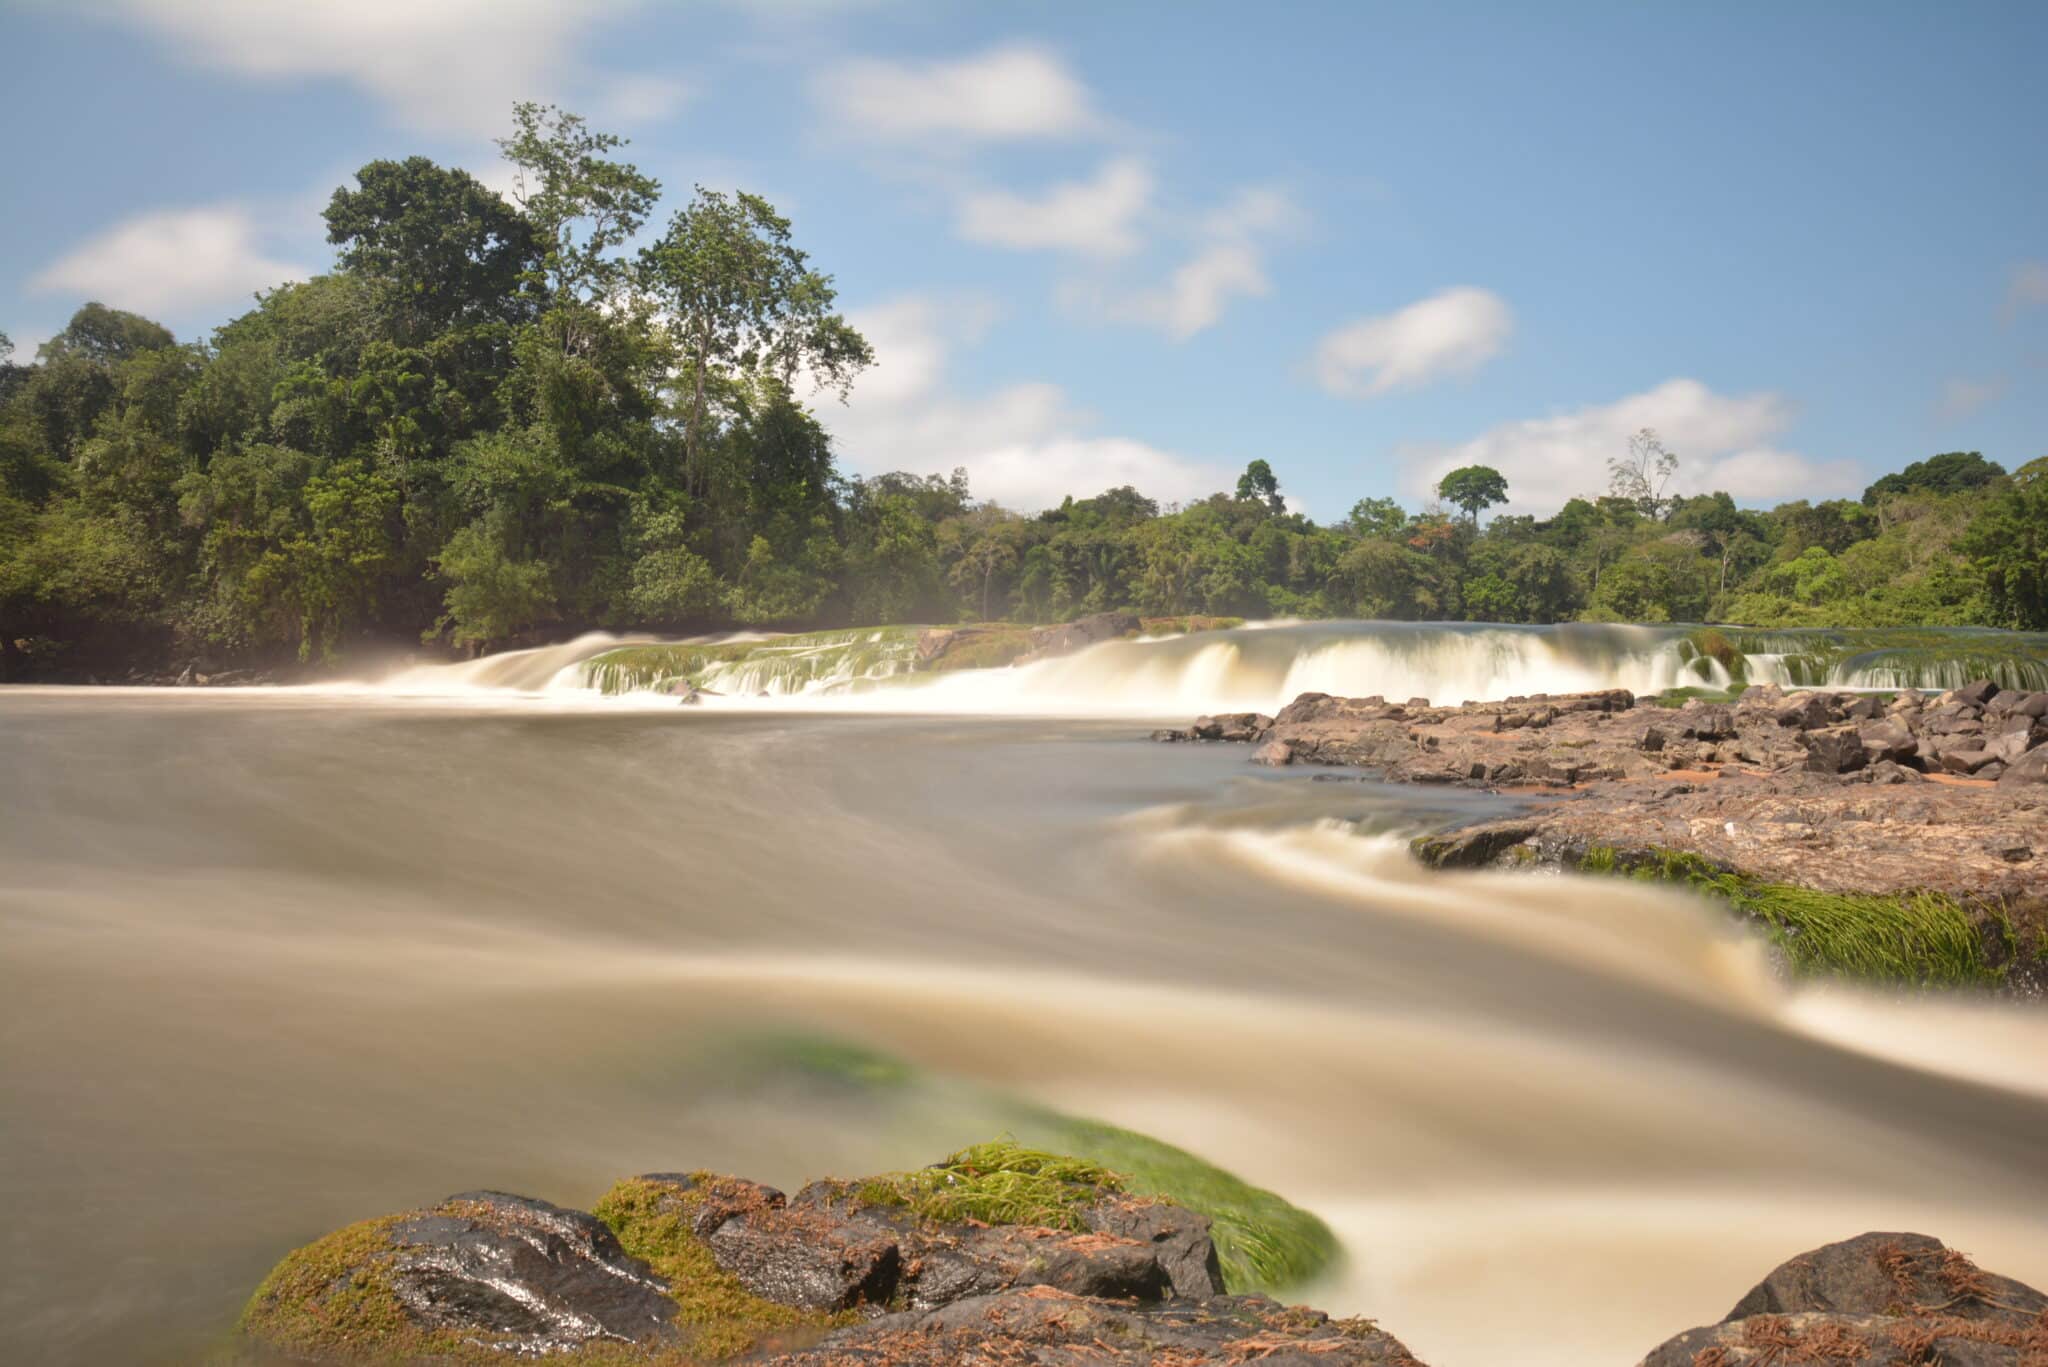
277, 961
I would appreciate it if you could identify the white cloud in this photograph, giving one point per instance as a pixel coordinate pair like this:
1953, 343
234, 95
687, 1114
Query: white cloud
1012, 91
2029, 286
26, 344
1454, 332
170, 261
443, 64
1024, 445
1723, 442
1096, 216
1228, 261
1960, 398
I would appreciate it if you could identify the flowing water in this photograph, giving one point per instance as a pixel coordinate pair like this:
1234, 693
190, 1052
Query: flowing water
276, 960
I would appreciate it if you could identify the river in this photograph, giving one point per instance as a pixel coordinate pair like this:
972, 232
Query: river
281, 959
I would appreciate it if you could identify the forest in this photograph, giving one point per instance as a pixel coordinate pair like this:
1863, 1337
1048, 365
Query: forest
503, 419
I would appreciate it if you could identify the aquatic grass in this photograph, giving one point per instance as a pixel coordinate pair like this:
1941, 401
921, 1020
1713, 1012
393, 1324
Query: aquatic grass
1917, 938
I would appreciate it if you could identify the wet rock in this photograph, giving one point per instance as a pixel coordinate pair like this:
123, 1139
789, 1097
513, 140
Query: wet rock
1169, 736
1178, 1240
537, 1277
1274, 753
1898, 1299
1834, 750
1231, 726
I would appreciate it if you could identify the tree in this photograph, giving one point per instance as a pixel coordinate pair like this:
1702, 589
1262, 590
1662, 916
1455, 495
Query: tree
581, 205
2008, 545
1377, 517
1642, 476
1259, 482
1473, 487
741, 298
1948, 473
448, 249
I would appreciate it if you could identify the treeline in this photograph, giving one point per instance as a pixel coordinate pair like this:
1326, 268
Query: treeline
494, 422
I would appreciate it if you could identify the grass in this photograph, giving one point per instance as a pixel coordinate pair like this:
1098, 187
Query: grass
1679, 697
1921, 939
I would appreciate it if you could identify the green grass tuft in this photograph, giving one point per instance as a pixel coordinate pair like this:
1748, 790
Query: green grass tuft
998, 1183
1920, 938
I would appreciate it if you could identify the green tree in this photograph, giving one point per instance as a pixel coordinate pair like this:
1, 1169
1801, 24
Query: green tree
2008, 546
1377, 517
446, 249
1473, 487
1948, 473
741, 299
1259, 483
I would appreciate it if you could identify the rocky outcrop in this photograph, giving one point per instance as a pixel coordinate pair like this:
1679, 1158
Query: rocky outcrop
1068, 637
1839, 793
1902, 1299
1001, 1253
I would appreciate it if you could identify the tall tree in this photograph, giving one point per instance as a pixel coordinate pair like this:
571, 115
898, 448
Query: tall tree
448, 249
1258, 482
1473, 487
1644, 473
582, 204
741, 299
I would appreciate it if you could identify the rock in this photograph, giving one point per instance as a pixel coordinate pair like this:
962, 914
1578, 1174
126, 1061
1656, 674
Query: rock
1952, 720
1044, 1326
2008, 747
1889, 739
539, 1278
1652, 741
1231, 726
1835, 750
1169, 735
1962, 761
803, 1257
1896, 1299
1887, 771
1977, 692
2010, 848
1806, 711
1274, 753
2034, 705
2030, 768
1082, 632
1862, 709
1178, 1240
1707, 721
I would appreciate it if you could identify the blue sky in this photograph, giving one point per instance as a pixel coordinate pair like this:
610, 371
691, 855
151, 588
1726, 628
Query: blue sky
1147, 243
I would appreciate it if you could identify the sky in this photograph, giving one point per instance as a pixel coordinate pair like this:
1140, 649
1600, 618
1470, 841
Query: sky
1147, 243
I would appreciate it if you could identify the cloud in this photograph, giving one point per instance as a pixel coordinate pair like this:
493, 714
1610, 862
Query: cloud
1960, 398
1097, 216
1228, 261
455, 65
1723, 442
1013, 91
1023, 445
1451, 333
2029, 287
170, 262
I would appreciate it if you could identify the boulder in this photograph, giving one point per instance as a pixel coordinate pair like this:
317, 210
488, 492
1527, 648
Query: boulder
1706, 721
1889, 739
1977, 692
1879, 1298
2033, 705
1274, 753
1806, 711
536, 1277
2030, 768
1964, 761
1231, 726
1862, 708
1834, 750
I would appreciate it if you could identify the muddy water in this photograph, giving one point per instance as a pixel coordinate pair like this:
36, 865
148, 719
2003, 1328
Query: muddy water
277, 961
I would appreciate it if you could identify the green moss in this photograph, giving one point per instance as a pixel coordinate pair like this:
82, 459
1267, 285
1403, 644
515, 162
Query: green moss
1168, 626
998, 1183
1917, 938
718, 1316
1679, 697
985, 647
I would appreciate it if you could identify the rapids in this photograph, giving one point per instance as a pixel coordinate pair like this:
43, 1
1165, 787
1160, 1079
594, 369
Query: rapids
281, 959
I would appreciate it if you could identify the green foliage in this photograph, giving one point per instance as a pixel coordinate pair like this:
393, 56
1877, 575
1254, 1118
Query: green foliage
1473, 487
998, 1183
495, 419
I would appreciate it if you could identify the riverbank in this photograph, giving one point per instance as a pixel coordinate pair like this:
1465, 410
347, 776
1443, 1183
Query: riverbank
1895, 838
998, 1254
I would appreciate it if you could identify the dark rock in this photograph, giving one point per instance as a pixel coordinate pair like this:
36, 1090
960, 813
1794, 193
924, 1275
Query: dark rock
1977, 692
1231, 726
1178, 1239
1652, 741
1471, 847
1835, 750
1895, 1299
2010, 848
1169, 735
552, 1279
